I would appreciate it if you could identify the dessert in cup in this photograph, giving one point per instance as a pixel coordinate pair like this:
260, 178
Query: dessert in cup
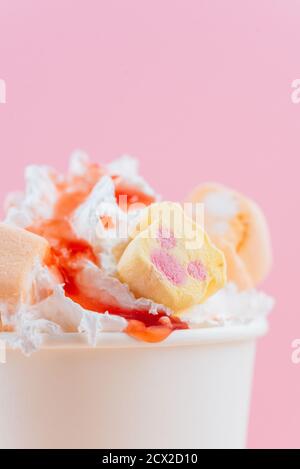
128, 323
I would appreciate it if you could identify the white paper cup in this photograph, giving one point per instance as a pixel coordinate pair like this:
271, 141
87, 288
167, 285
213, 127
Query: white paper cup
190, 391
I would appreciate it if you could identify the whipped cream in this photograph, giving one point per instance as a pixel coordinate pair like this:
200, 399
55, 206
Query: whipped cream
52, 311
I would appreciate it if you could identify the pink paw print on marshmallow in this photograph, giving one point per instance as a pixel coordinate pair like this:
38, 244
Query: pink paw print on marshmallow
161, 264
197, 270
169, 266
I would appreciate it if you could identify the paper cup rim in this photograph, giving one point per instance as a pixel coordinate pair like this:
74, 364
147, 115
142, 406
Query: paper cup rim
190, 337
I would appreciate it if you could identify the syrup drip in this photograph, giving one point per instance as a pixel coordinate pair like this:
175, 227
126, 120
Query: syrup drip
132, 194
73, 193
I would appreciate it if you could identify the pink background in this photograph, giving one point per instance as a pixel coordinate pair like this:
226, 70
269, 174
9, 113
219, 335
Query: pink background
198, 90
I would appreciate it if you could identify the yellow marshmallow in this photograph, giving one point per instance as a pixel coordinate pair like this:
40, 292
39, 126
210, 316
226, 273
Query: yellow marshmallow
172, 263
236, 225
